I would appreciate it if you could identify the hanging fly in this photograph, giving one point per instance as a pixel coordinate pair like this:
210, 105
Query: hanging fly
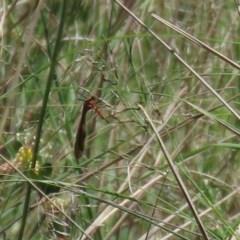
81, 132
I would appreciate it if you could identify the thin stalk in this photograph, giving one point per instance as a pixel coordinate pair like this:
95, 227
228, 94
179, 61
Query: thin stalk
33, 184
180, 59
42, 114
197, 41
177, 176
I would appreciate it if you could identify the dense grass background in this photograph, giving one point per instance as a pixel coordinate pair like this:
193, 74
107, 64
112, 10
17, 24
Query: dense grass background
122, 187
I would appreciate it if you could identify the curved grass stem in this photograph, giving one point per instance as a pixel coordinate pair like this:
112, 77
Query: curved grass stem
42, 114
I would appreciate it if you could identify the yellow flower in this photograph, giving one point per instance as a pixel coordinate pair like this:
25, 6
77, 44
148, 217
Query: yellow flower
21, 161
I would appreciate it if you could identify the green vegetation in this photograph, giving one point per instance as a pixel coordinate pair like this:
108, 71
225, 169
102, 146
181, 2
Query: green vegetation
159, 158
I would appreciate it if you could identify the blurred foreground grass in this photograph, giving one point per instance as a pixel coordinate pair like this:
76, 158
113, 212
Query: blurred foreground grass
126, 189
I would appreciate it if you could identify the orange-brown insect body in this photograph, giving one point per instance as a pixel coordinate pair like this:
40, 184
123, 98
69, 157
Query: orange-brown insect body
81, 133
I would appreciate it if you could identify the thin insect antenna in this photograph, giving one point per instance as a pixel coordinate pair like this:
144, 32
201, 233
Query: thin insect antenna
99, 113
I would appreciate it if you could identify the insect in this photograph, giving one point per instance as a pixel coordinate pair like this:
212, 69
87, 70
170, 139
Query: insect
90, 104
81, 133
